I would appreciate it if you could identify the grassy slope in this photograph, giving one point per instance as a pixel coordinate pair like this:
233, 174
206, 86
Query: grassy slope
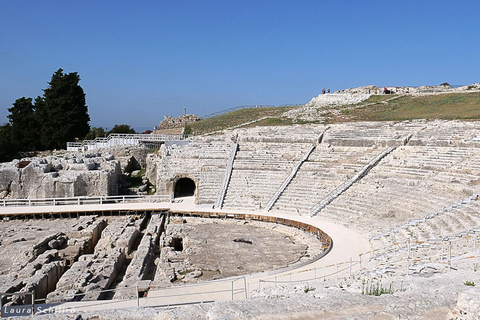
235, 118
442, 106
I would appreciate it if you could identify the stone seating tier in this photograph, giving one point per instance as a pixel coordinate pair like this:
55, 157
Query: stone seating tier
211, 179
396, 189
326, 169
446, 224
448, 134
307, 134
252, 189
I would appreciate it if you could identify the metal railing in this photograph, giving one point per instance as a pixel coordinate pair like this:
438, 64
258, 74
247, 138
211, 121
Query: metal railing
84, 200
116, 139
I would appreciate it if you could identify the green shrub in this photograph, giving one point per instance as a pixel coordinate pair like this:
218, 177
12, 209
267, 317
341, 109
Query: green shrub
308, 289
375, 289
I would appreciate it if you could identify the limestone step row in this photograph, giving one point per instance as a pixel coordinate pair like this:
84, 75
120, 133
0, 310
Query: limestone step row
210, 183
453, 219
252, 188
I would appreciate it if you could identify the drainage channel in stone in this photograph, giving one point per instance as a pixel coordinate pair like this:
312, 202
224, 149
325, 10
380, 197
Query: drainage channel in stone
130, 252
136, 272
157, 231
92, 273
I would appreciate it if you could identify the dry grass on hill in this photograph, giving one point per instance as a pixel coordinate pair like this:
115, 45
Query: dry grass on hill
447, 106
235, 118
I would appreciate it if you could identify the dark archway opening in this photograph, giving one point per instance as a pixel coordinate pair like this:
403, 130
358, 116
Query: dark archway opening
185, 187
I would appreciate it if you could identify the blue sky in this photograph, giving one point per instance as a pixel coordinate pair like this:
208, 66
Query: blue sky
141, 60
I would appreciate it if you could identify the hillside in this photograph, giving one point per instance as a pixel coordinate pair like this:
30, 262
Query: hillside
446, 106
464, 105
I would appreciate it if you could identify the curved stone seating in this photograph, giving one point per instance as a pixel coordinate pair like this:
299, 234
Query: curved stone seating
258, 171
326, 168
366, 134
409, 183
454, 219
279, 134
448, 134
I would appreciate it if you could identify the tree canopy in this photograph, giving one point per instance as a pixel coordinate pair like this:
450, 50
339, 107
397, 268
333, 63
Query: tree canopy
95, 132
6, 147
57, 117
121, 128
24, 125
62, 110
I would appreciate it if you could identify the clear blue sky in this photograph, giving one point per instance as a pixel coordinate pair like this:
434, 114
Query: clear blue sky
141, 60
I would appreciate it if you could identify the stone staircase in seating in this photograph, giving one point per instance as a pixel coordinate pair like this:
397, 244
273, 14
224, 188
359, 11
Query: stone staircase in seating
258, 171
326, 167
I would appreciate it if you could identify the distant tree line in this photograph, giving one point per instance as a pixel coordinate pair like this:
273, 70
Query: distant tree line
49, 121
100, 132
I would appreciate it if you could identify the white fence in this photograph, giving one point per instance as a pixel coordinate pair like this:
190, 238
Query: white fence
84, 200
119, 139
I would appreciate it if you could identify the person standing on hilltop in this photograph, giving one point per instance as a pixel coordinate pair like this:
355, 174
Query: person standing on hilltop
323, 91
328, 91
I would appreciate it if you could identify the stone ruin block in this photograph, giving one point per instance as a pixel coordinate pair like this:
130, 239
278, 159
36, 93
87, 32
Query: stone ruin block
56, 177
95, 272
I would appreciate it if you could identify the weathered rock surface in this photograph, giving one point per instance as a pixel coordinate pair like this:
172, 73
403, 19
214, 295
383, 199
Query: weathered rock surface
130, 157
142, 262
468, 306
59, 176
37, 259
97, 271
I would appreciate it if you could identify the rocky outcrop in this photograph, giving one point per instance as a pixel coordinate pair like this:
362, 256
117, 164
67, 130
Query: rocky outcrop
334, 99
95, 272
37, 264
468, 306
151, 168
372, 89
130, 157
59, 176
172, 122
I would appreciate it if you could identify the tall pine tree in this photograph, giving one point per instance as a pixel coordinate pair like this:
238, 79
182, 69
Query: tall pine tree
62, 111
24, 125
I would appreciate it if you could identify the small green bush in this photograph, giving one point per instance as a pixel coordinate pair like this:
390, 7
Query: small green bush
308, 289
376, 289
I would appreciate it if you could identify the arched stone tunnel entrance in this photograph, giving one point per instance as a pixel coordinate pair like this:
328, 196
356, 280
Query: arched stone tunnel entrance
184, 187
